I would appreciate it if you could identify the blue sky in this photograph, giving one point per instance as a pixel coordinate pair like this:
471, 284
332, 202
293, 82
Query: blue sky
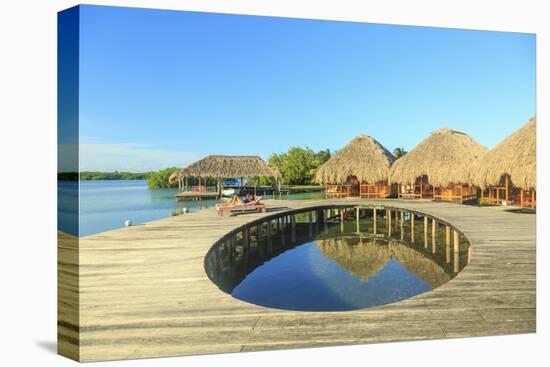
162, 88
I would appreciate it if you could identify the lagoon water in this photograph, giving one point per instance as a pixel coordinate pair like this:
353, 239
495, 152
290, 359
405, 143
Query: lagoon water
106, 205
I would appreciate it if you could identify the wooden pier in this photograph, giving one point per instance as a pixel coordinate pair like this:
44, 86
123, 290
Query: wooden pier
198, 195
142, 291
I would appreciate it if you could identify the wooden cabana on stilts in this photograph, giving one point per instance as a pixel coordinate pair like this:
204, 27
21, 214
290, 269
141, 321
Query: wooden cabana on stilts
220, 167
360, 169
507, 173
438, 168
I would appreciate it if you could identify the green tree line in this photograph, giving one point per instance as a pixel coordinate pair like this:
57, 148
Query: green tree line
298, 166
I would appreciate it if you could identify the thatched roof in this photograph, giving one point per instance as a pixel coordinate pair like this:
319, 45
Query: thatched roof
516, 156
174, 177
362, 157
363, 259
446, 157
226, 166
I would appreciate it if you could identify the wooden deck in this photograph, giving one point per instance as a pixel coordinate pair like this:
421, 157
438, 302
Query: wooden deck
143, 291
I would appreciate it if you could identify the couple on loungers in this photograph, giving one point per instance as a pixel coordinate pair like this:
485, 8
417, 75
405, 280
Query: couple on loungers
250, 202
236, 199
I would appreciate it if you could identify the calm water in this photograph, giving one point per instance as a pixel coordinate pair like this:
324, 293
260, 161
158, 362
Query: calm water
332, 266
106, 205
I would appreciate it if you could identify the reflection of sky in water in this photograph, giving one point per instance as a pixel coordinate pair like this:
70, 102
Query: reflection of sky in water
303, 278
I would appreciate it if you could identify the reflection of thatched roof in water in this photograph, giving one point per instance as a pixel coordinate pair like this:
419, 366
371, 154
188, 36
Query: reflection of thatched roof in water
423, 267
226, 166
362, 157
516, 155
362, 260
446, 157
369, 257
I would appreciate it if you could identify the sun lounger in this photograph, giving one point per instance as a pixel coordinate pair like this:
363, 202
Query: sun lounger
253, 206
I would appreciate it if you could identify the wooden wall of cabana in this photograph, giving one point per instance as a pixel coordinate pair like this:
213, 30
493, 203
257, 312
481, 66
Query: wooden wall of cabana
360, 169
438, 168
220, 167
420, 189
507, 173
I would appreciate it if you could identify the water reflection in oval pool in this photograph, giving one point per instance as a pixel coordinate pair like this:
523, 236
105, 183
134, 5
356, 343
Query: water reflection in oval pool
314, 261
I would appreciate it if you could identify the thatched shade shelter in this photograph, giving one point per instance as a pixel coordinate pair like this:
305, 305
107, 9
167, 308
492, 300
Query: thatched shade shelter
361, 168
439, 167
509, 167
224, 166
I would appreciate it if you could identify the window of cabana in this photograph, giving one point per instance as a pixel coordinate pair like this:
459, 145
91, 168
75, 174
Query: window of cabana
420, 190
505, 193
459, 193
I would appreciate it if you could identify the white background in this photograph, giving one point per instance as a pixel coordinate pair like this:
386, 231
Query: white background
28, 181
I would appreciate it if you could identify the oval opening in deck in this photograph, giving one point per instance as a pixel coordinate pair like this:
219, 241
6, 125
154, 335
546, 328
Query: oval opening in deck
337, 259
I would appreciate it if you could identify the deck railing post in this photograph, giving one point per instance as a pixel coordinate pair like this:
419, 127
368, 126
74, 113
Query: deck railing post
283, 231
412, 226
232, 244
425, 231
402, 225
434, 234
388, 215
448, 243
374, 220
269, 237
259, 233
456, 250
357, 218
293, 225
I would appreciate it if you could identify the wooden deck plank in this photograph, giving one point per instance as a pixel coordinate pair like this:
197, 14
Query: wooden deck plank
142, 291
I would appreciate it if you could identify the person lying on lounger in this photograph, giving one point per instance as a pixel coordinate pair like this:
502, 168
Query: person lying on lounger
249, 198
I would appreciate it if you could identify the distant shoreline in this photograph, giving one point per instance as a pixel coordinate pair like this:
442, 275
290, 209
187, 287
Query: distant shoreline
102, 176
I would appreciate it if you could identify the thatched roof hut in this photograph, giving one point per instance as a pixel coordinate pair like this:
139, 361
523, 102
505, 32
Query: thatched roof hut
446, 157
362, 157
516, 156
226, 166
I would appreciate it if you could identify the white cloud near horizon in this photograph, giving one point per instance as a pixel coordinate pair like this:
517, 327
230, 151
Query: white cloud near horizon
109, 157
